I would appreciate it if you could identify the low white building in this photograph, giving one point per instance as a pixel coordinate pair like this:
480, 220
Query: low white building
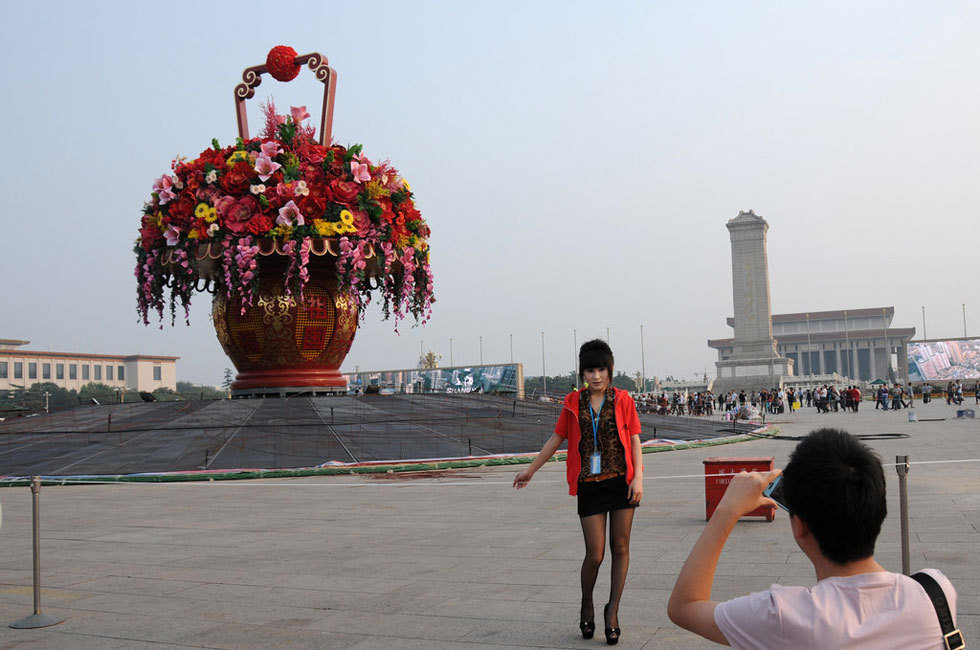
71, 370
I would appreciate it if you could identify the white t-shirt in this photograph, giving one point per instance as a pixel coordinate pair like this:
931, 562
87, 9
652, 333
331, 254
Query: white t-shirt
871, 610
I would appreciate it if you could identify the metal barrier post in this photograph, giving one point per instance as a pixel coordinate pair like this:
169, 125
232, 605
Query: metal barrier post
902, 467
37, 619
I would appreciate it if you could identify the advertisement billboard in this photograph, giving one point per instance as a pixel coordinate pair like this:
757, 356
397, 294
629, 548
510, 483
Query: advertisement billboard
944, 360
496, 378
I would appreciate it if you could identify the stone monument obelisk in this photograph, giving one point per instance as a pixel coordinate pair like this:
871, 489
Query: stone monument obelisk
754, 363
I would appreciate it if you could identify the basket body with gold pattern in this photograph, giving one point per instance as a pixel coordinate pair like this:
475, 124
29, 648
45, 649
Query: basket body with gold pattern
284, 341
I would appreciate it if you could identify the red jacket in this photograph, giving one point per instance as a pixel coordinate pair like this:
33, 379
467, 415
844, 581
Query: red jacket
568, 427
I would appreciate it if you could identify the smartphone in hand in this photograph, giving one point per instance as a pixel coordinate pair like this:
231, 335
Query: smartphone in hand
775, 492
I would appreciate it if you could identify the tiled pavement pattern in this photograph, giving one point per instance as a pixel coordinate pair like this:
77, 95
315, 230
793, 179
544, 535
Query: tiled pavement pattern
457, 561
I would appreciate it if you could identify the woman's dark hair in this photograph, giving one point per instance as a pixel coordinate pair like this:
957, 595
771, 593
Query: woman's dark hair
836, 485
595, 354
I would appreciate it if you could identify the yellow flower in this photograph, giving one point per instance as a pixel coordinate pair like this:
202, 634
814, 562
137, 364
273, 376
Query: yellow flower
236, 156
325, 228
407, 186
376, 190
282, 231
158, 220
346, 217
204, 211
193, 234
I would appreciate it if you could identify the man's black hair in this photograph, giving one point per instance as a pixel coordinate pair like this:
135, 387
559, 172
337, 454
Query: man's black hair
595, 354
836, 485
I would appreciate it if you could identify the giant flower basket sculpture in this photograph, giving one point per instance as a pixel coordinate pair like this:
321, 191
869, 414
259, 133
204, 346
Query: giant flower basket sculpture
292, 234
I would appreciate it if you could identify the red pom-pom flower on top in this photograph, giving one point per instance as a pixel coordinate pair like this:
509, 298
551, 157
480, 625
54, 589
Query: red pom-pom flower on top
281, 63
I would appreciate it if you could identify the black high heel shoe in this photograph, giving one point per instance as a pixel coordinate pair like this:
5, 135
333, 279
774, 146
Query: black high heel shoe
587, 627
612, 633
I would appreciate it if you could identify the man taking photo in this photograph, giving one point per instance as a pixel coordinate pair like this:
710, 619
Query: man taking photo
834, 489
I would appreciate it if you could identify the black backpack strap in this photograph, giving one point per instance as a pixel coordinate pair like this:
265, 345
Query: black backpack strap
952, 637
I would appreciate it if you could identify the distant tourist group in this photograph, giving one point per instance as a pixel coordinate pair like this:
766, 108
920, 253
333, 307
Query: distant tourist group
826, 398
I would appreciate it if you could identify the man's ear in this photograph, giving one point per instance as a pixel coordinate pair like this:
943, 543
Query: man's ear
799, 527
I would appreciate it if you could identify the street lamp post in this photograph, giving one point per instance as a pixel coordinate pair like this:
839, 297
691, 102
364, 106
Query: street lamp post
924, 335
481, 350
643, 361
512, 348
575, 357
964, 320
451, 351
544, 373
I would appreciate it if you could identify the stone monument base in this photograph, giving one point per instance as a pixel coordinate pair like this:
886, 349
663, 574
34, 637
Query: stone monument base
753, 374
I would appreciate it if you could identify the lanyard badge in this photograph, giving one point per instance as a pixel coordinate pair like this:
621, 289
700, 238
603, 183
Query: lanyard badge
595, 462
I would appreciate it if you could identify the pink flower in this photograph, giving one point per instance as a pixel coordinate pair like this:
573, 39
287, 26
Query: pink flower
237, 214
289, 215
362, 222
171, 234
223, 205
299, 113
162, 187
271, 149
360, 171
265, 168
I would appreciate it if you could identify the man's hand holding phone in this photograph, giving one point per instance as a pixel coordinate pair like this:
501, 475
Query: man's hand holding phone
745, 493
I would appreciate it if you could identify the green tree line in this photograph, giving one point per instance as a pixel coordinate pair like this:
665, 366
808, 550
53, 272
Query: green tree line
32, 400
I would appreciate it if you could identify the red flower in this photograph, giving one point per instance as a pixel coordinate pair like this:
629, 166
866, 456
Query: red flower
260, 224
237, 213
281, 63
237, 178
344, 191
387, 215
313, 206
408, 210
316, 154
182, 210
150, 235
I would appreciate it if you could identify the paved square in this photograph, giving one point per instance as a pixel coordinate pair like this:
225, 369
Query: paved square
462, 560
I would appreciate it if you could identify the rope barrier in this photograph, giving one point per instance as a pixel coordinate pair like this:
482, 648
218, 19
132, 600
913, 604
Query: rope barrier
56, 481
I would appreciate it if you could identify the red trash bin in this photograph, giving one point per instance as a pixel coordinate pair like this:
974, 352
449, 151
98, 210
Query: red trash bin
715, 486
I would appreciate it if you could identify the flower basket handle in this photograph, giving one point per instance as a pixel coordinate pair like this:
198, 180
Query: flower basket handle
252, 77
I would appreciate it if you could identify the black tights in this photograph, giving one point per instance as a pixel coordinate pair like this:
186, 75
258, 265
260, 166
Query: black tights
594, 529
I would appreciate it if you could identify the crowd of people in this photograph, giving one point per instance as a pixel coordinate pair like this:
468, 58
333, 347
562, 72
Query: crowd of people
826, 398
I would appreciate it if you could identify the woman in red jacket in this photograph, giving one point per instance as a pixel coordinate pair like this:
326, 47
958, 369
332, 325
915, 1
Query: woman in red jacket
604, 469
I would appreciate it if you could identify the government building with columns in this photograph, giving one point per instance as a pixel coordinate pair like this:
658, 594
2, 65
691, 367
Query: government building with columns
859, 344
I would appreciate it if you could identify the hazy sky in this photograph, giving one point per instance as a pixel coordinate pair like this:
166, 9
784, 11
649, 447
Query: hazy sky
576, 161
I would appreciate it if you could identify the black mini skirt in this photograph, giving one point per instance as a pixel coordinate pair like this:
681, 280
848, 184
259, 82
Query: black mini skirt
597, 497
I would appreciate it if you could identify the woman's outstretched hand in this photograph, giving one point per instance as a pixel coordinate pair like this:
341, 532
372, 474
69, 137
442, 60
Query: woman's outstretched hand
523, 478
